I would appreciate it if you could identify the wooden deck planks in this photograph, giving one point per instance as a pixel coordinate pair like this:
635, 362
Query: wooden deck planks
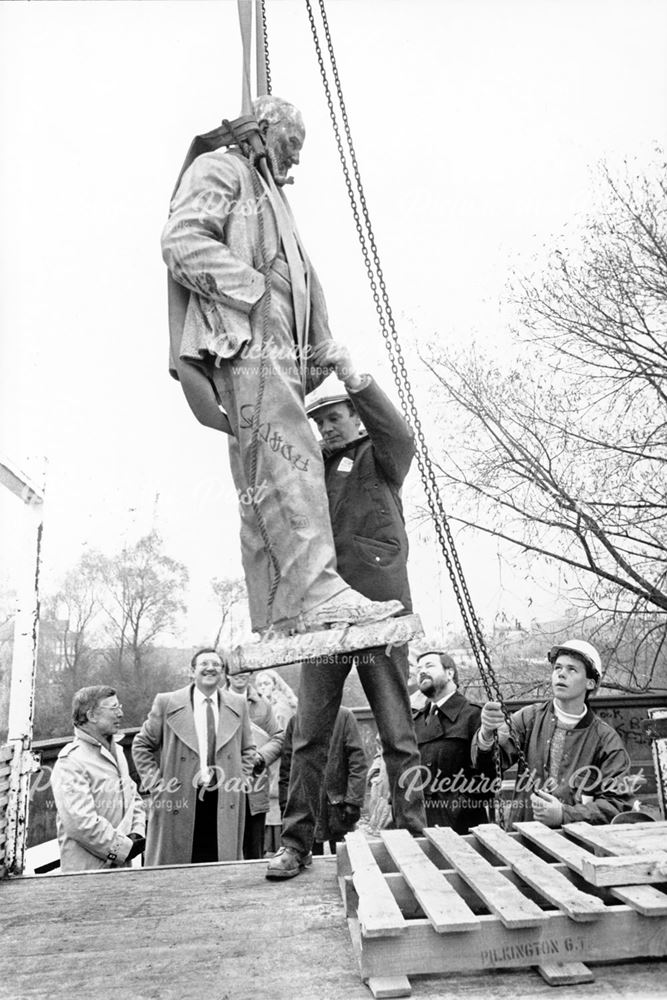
497, 893
378, 911
446, 911
216, 931
540, 875
226, 932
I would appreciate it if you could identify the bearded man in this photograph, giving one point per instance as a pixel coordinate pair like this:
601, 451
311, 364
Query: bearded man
246, 312
445, 726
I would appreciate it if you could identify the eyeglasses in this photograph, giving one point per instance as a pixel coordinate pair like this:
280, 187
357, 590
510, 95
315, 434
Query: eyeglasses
111, 708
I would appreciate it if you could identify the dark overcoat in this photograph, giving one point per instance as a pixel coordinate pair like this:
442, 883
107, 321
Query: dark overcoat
444, 738
344, 781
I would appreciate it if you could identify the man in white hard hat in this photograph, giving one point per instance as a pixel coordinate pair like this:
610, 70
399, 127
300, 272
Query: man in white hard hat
367, 449
577, 764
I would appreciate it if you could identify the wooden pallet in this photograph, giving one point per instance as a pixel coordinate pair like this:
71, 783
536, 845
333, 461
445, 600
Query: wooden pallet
491, 900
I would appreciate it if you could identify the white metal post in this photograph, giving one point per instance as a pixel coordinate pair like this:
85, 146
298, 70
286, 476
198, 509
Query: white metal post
22, 690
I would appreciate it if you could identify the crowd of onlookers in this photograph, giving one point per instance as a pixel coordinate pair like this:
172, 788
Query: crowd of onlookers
214, 762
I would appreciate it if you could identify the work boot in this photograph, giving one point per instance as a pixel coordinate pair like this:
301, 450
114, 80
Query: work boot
287, 863
349, 607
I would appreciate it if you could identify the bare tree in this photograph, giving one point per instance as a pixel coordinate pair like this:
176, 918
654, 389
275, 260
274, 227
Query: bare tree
228, 593
562, 450
144, 597
74, 610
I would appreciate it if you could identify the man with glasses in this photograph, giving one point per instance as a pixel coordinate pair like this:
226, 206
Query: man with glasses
101, 819
578, 767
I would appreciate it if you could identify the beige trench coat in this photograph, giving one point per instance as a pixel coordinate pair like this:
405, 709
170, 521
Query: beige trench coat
98, 805
166, 755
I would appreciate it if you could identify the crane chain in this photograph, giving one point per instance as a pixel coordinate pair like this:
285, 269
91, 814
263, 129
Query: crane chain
401, 378
265, 41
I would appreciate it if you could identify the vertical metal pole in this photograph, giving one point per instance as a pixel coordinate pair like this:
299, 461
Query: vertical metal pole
22, 690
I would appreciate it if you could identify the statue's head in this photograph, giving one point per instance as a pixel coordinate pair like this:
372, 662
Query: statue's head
284, 132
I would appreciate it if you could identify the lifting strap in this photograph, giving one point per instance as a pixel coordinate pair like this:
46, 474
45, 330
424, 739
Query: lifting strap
263, 74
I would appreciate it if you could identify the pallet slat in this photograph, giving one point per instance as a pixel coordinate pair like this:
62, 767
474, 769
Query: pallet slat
378, 912
645, 899
442, 905
554, 843
6, 752
495, 891
540, 875
635, 838
631, 869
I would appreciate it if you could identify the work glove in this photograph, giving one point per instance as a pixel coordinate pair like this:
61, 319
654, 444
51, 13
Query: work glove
547, 808
492, 719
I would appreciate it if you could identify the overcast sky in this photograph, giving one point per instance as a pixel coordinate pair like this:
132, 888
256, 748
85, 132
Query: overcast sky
477, 126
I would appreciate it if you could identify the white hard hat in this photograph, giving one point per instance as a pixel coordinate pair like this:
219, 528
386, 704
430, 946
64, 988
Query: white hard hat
582, 648
329, 392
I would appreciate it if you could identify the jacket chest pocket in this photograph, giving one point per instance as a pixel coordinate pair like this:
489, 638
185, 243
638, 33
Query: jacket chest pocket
378, 502
376, 553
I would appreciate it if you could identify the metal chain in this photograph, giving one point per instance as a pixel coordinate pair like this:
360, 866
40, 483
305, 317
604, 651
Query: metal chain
401, 378
265, 39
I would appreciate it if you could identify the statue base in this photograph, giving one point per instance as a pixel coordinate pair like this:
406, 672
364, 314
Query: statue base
327, 642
